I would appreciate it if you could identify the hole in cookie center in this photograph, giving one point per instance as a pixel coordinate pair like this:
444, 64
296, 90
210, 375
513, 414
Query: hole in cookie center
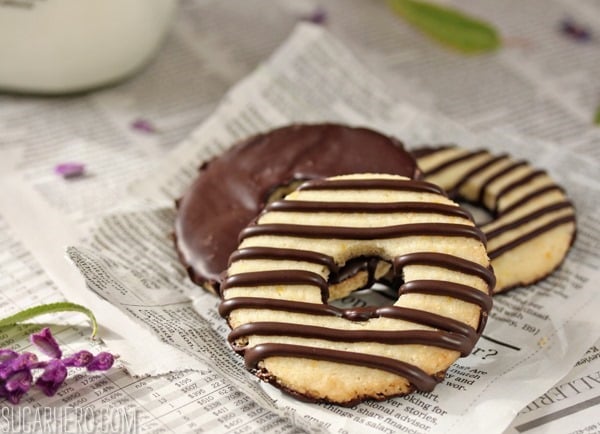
373, 276
480, 215
280, 191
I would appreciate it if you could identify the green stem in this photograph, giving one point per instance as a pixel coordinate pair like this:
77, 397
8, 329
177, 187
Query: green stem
449, 26
49, 308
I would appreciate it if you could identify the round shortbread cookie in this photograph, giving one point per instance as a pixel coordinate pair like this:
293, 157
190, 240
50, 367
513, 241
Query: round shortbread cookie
233, 188
533, 221
276, 293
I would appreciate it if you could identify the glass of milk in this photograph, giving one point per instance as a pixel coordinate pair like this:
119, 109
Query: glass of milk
63, 46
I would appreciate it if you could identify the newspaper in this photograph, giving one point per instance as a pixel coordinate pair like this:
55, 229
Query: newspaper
98, 127
570, 406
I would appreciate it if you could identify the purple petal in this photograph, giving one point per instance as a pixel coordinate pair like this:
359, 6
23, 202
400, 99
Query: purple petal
70, 169
39, 365
144, 126
574, 30
317, 16
6, 354
6, 369
46, 343
19, 380
17, 385
22, 361
6, 361
101, 362
79, 359
52, 378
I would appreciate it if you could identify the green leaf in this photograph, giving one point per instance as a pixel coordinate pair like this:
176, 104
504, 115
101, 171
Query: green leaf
597, 116
449, 26
49, 308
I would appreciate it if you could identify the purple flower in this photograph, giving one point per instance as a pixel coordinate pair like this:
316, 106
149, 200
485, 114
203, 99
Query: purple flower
16, 385
79, 359
101, 362
52, 378
70, 169
6, 358
22, 361
46, 343
16, 375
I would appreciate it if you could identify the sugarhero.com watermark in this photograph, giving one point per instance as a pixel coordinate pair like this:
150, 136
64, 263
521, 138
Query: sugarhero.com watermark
67, 420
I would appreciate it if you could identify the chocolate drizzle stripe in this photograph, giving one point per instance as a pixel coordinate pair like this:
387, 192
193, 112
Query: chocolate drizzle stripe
451, 289
429, 319
525, 199
434, 338
447, 261
530, 235
372, 184
448, 163
352, 314
485, 184
476, 170
518, 183
526, 219
368, 207
229, 305
277, 277
357, 233
419, 378
284, 254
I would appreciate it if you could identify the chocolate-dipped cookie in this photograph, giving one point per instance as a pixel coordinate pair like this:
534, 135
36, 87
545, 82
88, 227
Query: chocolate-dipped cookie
232, 189
533, 221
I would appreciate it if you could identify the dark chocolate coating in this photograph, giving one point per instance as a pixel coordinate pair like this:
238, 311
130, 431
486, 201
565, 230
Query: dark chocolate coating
232, 189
